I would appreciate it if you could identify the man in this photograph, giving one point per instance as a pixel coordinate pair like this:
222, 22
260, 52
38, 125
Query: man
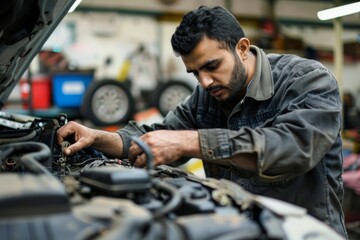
270, 123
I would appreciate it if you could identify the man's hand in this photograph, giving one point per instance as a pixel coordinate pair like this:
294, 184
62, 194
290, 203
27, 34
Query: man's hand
110, 143
166, 146
82, 136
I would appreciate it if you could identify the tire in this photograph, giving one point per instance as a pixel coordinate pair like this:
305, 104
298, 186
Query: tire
170, 94
107, 102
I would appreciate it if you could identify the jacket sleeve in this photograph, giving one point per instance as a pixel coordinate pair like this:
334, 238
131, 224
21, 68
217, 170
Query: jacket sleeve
181, 118
306, 128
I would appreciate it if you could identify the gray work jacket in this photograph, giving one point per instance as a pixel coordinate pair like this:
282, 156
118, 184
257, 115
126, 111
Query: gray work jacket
290, 117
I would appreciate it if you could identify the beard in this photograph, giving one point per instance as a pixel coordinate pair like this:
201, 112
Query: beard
236, 83
237, 80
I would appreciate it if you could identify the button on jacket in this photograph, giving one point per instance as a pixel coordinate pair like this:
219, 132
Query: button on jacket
290, 117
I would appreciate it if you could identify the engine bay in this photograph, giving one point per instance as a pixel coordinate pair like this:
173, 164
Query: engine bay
47, 195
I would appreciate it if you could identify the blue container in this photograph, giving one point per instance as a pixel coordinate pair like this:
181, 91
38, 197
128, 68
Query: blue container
69, 88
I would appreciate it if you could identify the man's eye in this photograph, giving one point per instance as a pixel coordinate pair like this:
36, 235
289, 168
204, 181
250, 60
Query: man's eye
212, 67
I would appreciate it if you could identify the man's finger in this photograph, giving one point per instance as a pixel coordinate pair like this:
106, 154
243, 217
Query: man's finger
62, 134
134, 151
75, 147
140, 161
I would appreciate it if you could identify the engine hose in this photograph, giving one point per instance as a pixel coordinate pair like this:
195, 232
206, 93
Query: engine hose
146, 149
33, 154
175, 196
25, 138
173, 203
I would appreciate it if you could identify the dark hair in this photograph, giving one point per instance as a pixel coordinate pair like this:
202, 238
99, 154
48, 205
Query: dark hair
216, 23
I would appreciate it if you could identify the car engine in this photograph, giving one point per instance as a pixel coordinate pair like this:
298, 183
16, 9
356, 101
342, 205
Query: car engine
47, 195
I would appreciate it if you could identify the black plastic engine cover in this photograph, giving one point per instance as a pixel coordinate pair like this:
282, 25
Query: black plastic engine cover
31, 194
116, 180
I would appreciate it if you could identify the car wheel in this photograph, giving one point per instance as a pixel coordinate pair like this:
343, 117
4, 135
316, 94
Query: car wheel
170, 94
107, 102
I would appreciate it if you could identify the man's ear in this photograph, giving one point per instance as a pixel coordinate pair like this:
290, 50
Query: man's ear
243, 48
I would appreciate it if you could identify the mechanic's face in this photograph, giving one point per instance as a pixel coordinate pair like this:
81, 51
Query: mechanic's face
220, 72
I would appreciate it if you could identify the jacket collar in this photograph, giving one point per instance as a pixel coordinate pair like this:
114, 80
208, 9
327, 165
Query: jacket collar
261, 86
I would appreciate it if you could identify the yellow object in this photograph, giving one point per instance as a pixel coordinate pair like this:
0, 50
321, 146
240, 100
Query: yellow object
195, 166
124, 71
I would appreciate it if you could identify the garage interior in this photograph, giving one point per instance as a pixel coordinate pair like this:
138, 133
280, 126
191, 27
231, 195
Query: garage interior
128, 42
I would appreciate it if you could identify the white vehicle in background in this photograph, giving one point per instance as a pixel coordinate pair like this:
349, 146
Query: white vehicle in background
139, 85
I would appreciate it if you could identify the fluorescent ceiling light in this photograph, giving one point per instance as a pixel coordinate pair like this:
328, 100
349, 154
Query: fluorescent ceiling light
74, 6
340, 11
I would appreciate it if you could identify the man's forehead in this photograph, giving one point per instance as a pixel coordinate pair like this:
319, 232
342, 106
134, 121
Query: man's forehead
205, 51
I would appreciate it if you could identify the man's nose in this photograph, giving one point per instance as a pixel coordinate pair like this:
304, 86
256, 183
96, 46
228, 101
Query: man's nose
205, 80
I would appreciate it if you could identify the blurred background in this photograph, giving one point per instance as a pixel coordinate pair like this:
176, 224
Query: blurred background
111, 60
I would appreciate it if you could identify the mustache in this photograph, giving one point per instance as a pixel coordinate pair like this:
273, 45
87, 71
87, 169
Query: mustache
213, 88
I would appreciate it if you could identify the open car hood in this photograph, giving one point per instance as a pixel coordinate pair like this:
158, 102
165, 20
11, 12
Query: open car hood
25, 26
